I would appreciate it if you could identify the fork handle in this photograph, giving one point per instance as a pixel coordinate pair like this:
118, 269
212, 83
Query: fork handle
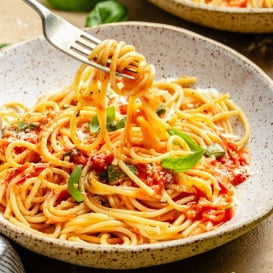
41, 10
49, 19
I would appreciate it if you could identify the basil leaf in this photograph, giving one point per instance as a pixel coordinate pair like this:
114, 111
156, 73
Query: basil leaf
121, 123
182, 163
73, 184
133, 169
216, 150
3, 45
191, 143
107, 12
94, 126
73, 5
115, 173
111, 113
23, 126
116, 125
161, 110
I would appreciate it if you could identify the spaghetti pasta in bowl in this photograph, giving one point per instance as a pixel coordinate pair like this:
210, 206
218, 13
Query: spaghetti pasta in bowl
235, 16
114, 173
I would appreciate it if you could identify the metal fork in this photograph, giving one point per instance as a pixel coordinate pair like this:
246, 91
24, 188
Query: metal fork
68, 38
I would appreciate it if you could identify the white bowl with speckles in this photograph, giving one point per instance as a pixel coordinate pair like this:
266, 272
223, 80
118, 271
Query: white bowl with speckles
245, 20
29, 69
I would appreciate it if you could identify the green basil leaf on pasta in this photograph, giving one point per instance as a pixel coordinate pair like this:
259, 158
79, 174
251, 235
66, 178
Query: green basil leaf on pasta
111, 113
73, 184
161, 110
94, 126
111, 124
182, 163
216, 150
120, 123
191, 143
25, 126
114, 173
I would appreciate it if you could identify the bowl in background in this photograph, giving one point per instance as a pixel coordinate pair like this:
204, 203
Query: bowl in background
245, 20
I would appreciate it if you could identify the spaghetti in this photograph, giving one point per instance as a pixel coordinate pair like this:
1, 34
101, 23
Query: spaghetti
110, 160
238, 3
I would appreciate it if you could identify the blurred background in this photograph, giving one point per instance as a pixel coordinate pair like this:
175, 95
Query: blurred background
18, 22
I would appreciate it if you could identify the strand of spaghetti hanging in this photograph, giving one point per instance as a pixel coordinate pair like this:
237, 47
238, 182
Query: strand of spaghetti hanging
125, 58
93, 91
139, 93
143, 105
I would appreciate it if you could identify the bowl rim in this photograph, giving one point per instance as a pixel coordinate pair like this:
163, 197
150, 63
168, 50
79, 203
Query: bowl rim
238, 229
228, 10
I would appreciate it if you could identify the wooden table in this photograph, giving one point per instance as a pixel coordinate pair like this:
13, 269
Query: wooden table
251, 253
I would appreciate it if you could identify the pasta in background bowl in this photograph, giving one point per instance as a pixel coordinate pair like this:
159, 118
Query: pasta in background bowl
34, 68
234, 19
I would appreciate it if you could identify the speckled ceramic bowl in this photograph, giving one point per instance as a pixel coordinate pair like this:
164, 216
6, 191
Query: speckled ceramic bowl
31, 68
245, 20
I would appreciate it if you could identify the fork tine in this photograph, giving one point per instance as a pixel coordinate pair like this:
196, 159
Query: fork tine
86, 36
81, 47
82, 55
86, 45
